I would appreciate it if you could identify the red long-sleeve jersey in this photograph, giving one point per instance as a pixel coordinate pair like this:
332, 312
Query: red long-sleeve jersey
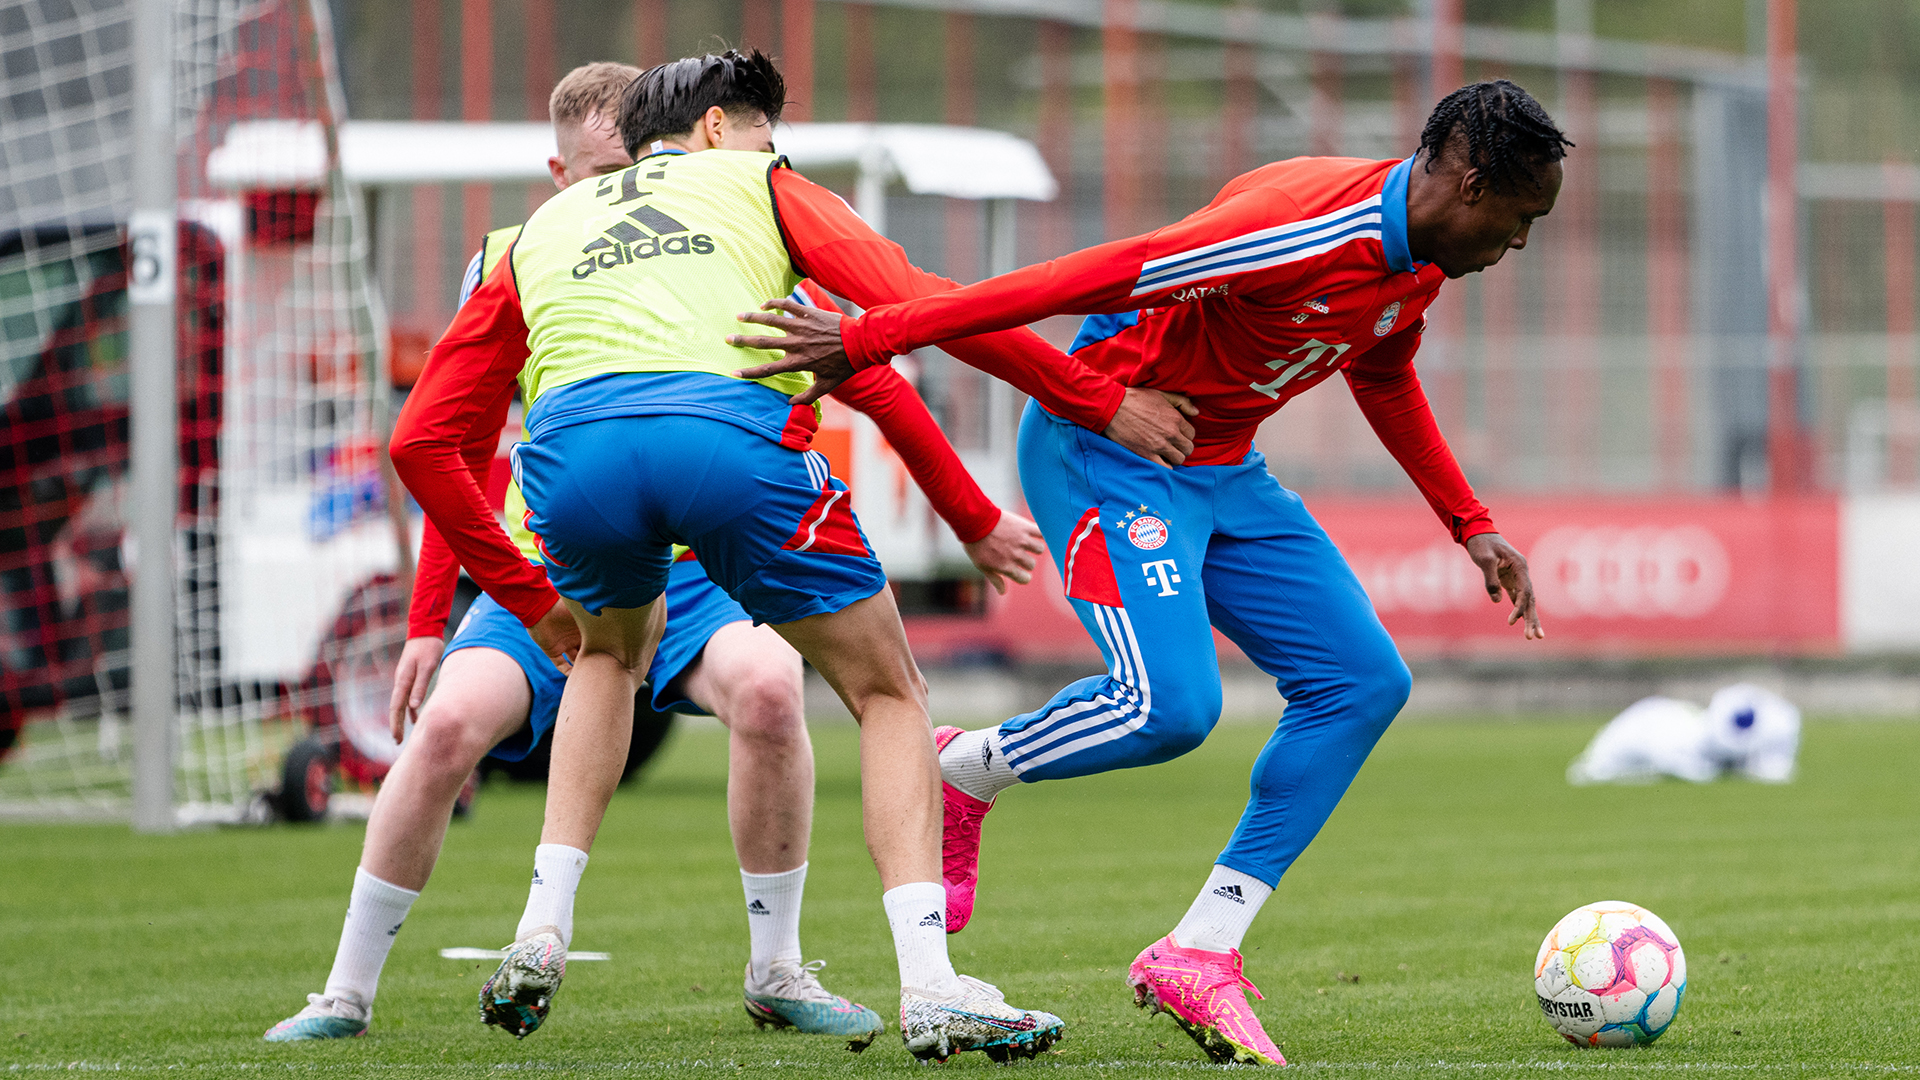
445, 437
1295, 271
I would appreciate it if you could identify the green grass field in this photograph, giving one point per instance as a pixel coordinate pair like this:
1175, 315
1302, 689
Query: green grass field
1402, 941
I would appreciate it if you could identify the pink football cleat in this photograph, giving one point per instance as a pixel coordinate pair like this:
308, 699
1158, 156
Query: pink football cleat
959, 842
1203, 992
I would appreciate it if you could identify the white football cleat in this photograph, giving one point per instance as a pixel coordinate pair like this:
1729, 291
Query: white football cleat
517, 996
793, 997
323, 1018
974, 1017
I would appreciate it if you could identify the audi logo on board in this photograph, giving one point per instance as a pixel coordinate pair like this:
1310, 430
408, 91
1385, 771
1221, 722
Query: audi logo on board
1647, 572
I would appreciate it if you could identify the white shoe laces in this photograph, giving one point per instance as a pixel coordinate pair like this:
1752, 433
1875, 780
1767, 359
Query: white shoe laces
800, 983
322, 1005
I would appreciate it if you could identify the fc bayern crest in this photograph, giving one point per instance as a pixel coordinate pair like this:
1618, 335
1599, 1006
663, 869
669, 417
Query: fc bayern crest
1387, 318
1147, 533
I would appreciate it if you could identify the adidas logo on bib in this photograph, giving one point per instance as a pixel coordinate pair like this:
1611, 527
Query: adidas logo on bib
625, 243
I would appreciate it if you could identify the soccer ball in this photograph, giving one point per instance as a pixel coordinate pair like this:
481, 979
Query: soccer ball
1610, 974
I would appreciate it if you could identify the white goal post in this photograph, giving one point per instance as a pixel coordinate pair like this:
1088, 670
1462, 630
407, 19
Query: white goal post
196, 383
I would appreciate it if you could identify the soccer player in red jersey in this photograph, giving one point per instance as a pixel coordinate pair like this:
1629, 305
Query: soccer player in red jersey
1295, 271
639, 436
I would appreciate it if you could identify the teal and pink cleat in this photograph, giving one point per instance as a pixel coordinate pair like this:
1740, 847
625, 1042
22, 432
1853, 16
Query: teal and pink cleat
1204, 992
794, 998
959, 842
323, 1018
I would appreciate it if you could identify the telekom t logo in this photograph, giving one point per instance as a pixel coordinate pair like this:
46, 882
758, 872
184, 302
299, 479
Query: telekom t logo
1162, 575
1314, 348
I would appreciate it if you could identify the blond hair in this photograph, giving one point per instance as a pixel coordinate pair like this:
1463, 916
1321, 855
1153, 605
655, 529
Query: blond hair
589, 89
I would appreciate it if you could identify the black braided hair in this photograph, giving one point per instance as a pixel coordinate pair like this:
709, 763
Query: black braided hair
670, 99
1508, 135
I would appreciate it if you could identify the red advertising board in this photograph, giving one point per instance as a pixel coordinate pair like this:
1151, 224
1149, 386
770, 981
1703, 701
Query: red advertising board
1616, 577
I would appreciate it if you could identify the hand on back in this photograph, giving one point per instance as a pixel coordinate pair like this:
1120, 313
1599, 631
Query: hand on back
1153, 424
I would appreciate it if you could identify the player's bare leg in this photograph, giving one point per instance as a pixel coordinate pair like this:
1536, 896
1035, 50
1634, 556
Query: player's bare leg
482, 699
862, 651
590, 741
591, 737
750, 680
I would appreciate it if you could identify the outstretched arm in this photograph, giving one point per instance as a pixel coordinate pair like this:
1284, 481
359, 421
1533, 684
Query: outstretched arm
1390, 396
830, 243
1206, 251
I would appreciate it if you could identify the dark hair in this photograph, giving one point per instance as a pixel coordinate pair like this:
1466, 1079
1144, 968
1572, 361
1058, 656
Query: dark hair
1507, 135
670, 99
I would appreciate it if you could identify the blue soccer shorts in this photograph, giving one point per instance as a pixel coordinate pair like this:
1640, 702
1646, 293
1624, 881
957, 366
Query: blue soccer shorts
696, 607
772, 526
1154, 559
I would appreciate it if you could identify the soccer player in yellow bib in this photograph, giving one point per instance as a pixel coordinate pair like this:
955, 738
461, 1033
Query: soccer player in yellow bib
618, 300
498, 693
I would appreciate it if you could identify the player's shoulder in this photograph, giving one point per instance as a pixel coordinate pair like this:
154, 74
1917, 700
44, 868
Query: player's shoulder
1310, 186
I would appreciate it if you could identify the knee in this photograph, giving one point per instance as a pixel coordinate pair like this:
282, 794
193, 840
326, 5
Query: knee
1381, 690
1180, 717
449, 741
765, 702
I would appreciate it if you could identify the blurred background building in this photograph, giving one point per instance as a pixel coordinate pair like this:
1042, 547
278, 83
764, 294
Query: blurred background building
1625, 351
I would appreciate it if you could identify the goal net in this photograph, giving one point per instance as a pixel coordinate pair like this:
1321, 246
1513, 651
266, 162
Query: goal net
287, 553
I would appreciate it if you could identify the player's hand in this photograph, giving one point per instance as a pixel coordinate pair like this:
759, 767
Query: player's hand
419, 659
1505, 568
558, 635
1008, 551
1153, 424
811, 343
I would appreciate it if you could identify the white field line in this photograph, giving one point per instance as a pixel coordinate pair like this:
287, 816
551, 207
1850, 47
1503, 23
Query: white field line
468, 952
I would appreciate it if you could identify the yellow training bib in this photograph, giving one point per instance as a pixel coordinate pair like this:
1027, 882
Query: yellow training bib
643, 270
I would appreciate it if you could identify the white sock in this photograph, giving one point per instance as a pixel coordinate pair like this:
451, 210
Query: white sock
556, 877
973, 763
918, 915
773, 919
374, 914
1223, 911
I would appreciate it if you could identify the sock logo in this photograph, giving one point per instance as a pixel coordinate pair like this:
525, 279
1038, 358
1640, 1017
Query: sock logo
758, 908
933, 919
396, 928
1231, 892
536, 876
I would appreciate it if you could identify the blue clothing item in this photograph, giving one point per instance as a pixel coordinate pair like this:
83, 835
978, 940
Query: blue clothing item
772, 526
487, 625
696, 607
746, 405
1393, 218
1152, 558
